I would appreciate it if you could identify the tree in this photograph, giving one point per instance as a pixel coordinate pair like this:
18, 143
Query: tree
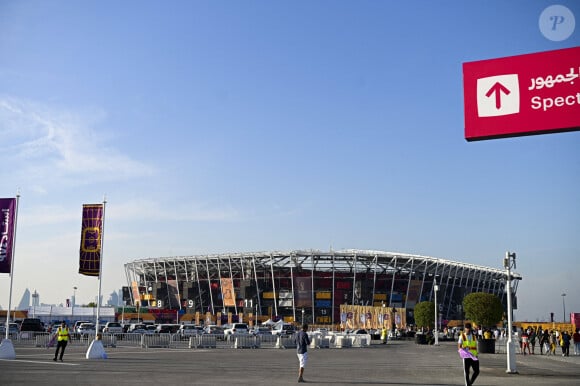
483, 309
424, 314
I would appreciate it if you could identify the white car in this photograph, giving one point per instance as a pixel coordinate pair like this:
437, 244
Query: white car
236, 328
87, 329
283, 329
187, 330
113, 328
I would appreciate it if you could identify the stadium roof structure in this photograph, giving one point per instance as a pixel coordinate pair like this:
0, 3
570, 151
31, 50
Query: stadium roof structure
377, 270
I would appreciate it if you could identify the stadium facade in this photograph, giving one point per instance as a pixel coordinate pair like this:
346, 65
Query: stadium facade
307, 284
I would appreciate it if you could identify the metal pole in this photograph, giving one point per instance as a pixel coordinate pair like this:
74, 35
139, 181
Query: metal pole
564, 306
12, 267
100, 269
511, 359
435, 332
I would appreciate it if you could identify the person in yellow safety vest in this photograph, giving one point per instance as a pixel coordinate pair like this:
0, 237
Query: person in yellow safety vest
384, 334
62, 336
468, 341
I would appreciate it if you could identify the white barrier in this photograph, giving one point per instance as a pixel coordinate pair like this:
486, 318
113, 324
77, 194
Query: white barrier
342, 341
318, 341
286, 341
155, 340
245, 341
360, 340
204, 341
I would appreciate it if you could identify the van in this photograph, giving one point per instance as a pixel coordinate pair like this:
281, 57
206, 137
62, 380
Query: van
113, 328
32, 324
78, 324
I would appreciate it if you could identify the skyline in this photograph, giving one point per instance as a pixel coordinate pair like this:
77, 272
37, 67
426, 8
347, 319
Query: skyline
216, 127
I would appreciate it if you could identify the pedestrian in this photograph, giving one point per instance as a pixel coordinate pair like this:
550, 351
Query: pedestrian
545, 342
384, 334
62, 336
553, 343
533, 337
468, 341
302, 343
565, 344
525, 342
576, 339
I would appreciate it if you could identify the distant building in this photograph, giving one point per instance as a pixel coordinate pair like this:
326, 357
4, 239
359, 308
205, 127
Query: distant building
25, 301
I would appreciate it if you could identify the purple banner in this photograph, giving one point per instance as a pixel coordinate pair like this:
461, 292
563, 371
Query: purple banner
92, 227
7, 213
303, 291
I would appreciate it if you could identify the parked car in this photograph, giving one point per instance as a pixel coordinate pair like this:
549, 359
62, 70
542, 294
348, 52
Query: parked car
12, 329
113, 328
77, 324
136, 328
87, 329
261, 331
187, 330
167, 328
236, 328
213, 329
283, 329
32, 324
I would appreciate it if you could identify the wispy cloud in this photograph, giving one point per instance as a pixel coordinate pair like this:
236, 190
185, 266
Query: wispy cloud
143, 209
52, 145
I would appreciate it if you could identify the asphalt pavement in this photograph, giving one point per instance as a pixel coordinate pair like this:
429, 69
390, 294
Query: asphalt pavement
397, 363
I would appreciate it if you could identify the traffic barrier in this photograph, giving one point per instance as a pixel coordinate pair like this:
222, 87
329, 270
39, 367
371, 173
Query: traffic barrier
342, 341
109, 340
129, 339
360, 340
155, 340
286, 341
245, 341
205, 341
318, 341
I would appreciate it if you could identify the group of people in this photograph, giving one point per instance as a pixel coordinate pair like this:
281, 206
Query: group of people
548, 341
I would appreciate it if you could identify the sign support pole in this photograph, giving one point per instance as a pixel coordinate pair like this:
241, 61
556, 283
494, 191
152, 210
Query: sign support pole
6, 347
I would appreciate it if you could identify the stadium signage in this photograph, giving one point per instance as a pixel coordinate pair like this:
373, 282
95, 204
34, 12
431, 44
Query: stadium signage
522, 95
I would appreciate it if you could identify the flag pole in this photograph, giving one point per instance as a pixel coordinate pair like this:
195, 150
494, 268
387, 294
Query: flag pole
96, 349
100, 268
6, 347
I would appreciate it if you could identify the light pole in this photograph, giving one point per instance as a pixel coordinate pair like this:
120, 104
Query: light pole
509, 261
303, 316
74, 302
435, 332
564, 306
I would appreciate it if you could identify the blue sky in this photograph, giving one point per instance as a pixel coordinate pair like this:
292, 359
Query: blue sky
237, 126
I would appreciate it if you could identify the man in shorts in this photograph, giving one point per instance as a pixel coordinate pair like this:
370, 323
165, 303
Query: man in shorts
302, 343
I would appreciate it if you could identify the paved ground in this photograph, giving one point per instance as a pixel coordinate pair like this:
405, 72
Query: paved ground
398, 363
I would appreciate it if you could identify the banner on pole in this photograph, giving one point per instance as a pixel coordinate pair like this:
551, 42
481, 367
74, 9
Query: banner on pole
92, 227
228, 293
7, 221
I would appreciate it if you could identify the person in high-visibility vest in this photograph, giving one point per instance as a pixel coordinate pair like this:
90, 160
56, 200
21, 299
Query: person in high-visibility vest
468, 341
62, 336
384, 334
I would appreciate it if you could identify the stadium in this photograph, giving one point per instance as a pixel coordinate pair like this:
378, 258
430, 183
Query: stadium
308, 285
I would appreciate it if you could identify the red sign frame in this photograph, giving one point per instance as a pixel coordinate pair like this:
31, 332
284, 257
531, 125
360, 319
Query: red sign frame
522, 95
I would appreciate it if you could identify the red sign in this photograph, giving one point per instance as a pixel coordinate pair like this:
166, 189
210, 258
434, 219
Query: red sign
522, 95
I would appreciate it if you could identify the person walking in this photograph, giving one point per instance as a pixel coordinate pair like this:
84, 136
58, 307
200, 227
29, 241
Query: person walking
468, 341
62, 335
545, 342
565, 344
576, 339
302, 343
525, 342
533, 337
384, 334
